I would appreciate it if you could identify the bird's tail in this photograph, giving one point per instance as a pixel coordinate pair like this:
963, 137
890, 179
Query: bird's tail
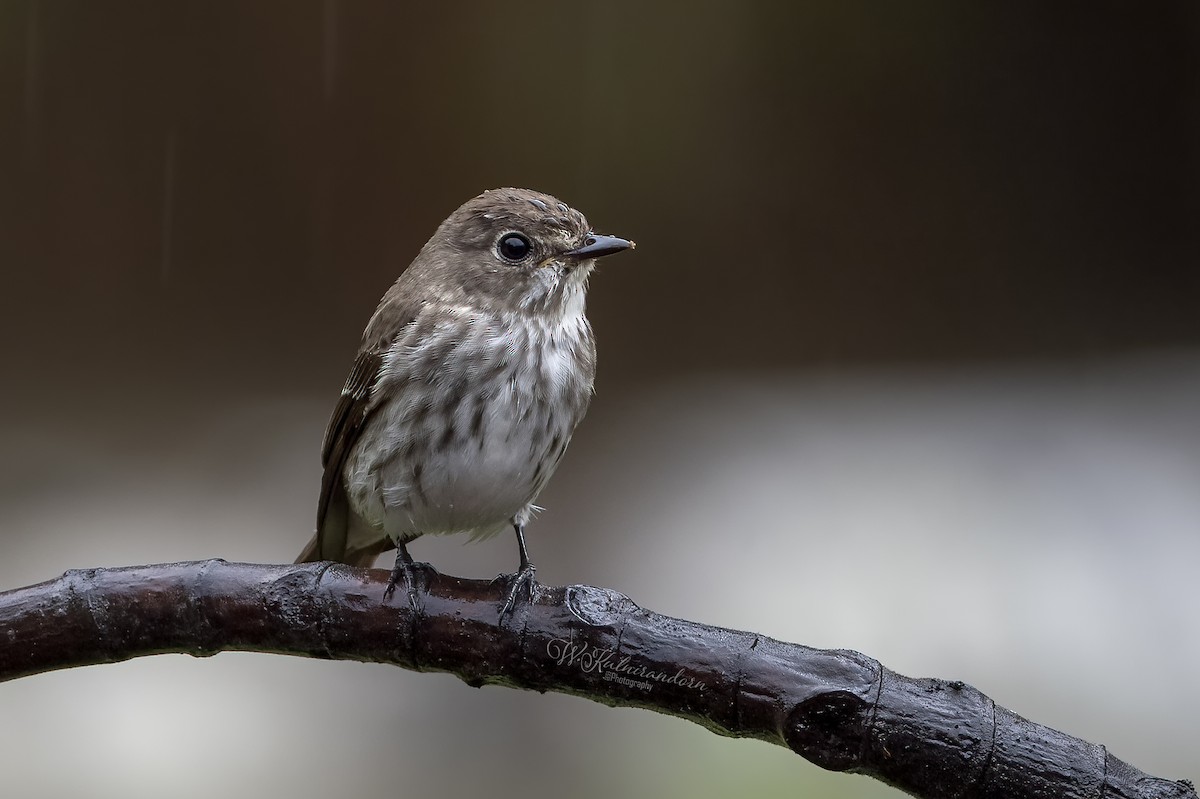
362, 556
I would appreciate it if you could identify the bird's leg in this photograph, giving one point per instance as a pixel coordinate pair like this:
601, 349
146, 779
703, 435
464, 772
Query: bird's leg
523, 579
405, 568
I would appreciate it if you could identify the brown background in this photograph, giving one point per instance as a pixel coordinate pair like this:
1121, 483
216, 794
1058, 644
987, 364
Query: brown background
872, 237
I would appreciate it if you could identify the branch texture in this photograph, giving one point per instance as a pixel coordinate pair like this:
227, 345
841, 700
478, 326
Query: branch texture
839, 709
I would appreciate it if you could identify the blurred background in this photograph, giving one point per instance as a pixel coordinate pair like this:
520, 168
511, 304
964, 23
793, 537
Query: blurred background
907, 360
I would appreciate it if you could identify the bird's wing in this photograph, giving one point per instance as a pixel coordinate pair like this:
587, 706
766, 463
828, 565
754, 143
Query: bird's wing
349, 416
394, 316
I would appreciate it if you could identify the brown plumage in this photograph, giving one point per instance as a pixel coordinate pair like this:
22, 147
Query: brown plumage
470, 379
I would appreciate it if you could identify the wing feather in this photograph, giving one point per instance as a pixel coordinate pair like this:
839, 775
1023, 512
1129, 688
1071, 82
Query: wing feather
345, 425
349, 418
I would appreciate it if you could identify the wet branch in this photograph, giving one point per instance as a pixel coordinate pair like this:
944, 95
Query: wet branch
839, 709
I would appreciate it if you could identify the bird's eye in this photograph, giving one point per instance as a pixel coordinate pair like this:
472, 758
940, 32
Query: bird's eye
513, 247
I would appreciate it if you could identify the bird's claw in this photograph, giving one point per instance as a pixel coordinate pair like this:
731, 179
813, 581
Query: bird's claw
523, 579
412, 574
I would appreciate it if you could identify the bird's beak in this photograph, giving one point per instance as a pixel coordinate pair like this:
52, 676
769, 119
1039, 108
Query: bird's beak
595, 246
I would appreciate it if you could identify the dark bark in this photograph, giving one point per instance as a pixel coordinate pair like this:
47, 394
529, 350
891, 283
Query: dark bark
839, 709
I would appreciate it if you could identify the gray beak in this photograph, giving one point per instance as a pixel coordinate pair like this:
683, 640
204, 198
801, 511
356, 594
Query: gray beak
595, 246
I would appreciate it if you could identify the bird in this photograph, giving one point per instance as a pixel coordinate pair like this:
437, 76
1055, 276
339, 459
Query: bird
468, 384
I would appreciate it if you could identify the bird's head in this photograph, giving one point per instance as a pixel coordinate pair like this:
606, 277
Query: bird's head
514, 250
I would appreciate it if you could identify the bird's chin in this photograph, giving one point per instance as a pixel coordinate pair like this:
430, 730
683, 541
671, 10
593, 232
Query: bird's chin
579, 270
559, 274
558, 290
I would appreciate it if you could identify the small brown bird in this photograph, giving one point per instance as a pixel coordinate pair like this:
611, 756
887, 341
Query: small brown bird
469, 381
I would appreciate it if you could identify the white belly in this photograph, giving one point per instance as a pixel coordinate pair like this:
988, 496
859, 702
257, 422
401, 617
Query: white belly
462, 447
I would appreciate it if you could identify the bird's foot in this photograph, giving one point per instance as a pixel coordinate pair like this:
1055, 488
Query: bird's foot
521, 582
413, 575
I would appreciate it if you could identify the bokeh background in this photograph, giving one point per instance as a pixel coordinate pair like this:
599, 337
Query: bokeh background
907, 359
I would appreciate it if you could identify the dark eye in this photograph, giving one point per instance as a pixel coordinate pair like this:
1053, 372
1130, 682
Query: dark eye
514, 247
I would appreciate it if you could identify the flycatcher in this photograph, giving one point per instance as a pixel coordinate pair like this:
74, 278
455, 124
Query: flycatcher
470, 379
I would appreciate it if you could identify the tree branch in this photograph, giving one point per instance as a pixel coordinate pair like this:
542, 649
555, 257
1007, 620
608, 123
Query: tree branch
839, 709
